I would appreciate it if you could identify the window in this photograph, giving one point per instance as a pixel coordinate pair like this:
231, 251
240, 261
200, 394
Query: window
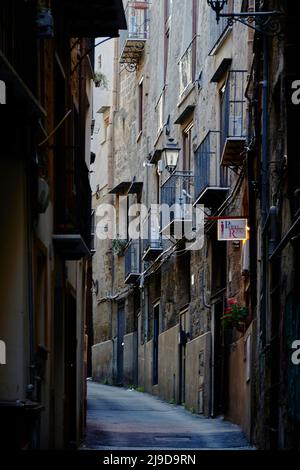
140, 106
187, 62
168, 11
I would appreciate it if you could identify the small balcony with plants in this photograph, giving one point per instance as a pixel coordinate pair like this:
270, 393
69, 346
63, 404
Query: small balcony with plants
132, 40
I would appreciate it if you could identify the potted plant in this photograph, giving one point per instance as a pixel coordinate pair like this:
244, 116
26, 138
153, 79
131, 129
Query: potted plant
100, 80
235, 315
119, 246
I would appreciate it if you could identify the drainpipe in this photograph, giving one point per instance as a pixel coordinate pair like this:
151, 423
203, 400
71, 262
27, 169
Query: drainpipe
30, 389
144, 296
264, 186
110, 162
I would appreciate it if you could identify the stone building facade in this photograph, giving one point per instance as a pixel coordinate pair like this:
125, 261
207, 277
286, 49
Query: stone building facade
180, 75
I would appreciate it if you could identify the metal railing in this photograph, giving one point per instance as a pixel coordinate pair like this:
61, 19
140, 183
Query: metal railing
187, 66
151, 229
177, 195
234, 107
137, 17
206, 163
132, 258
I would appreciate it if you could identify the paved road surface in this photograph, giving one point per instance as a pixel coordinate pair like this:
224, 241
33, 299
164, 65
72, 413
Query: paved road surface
126, 419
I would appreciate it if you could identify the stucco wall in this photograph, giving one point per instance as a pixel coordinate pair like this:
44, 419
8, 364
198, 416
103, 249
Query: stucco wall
130, 359
168, 372
198, 377
239, 409
102, 362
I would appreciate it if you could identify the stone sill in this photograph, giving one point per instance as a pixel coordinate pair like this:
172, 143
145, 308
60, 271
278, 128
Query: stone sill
187, 92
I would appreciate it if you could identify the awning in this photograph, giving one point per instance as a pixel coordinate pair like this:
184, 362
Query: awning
92, 18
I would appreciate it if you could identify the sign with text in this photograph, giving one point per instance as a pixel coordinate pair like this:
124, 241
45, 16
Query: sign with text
232, 229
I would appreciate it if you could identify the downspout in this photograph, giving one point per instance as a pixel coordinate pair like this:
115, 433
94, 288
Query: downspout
264, 187
31, 385
110, 169
144, 296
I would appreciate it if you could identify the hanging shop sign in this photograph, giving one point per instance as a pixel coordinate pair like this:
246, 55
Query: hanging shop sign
231, 229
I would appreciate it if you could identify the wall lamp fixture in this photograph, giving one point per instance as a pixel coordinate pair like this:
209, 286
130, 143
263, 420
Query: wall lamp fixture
267, 22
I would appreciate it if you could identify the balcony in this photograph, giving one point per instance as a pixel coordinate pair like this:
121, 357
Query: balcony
210, 179
132, 41
176, 199
72, 235
186, 68
234, 120
132, 262
152, 244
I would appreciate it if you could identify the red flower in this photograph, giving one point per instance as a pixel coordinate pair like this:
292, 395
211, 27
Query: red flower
232, 301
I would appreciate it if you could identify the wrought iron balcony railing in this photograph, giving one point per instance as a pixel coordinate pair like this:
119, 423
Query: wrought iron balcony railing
132, 262
210, 179
152, 242
176, 200
234, 119
132, 40
187, 67
72, 235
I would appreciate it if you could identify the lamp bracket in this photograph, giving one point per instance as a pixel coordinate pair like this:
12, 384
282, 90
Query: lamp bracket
266, 22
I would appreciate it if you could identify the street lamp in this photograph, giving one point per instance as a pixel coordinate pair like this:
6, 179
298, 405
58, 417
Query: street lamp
217, 6
266, 22
170, 155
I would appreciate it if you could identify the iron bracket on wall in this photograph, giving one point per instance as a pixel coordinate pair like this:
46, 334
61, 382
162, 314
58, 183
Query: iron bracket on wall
267, 22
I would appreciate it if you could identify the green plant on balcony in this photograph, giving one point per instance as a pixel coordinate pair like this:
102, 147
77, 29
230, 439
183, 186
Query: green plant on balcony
235, 315
118, 246
100, 80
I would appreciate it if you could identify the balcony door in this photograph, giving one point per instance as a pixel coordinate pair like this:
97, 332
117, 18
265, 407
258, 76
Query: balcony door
183, 330
70, 371
220, 361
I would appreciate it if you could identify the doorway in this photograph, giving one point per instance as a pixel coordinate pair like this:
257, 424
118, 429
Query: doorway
183, 331
220, 343
120, 344
70, 372
155, 343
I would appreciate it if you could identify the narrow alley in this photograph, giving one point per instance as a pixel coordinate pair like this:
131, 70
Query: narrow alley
120, 418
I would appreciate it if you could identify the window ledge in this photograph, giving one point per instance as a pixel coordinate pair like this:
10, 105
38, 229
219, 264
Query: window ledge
186, 93
159, 133
220, 41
